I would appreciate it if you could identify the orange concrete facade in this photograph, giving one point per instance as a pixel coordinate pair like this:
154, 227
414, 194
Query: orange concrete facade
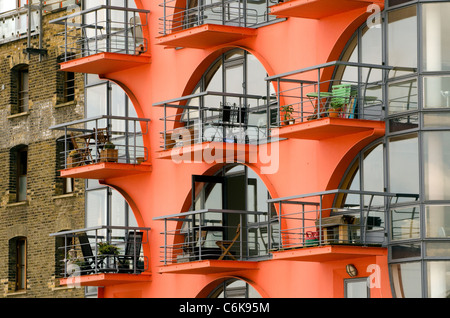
313, 156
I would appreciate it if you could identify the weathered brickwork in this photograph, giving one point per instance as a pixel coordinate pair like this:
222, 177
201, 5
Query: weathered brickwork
46, 209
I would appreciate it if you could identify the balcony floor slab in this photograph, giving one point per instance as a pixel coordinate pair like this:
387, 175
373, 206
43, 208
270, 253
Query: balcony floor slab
104, 63
325, 128
211, 151
105, 170
318, 9
208, 267
105, 279
328, 253
205, 36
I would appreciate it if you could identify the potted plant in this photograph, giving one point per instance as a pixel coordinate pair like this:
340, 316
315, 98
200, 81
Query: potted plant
109, 153
107, 249
73, 159
287, 114
335, 108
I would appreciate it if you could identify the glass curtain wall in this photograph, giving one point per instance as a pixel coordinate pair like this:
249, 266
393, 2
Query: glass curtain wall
237, 187
412, 159
105, 206
238, 77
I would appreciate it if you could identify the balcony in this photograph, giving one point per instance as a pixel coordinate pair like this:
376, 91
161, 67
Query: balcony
333, 225
214, 241
102, 256
210, 24
318, 9
104, 39
103, 147
331, 100
214, 126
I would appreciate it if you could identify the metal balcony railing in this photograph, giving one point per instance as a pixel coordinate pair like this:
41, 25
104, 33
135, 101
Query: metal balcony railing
215, 234
215, 116
103, 139
222, 12
104, 29
334, 217
354, 90
101, 249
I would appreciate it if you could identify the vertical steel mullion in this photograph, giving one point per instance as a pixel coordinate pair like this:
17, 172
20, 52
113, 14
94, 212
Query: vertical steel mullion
165, 241
65, 40
318, 93
200, 236
66, 150
241, 249
279, 232
165, 126
125, 22
65, 256
320, 220
96, 252
134, 252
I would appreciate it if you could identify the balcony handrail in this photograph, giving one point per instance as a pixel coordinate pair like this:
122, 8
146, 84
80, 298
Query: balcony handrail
326, 65
194, 246
180, 216
94, 118
82, 259
363, 223
101, 227
205, 93
96, 8
90, 143
120, 36
179, 20
224, 119
332, 191
310, 93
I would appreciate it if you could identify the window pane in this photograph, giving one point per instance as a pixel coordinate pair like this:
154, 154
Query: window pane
407, 280
405, 251
438, 274
402, 37
437, 165
436, 119
6, 5
436, 91
437, 221
437, 249
96, 103
403, 96
373, 169
405, 223
356, 288
404, 122
96, 207
404, 161
436, 42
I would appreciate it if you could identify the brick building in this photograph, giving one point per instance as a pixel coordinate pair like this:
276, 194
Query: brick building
35, 202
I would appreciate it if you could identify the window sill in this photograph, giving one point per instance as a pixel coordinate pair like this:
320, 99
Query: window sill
23, 114
61, 105
64, 196
13, 204
16, 293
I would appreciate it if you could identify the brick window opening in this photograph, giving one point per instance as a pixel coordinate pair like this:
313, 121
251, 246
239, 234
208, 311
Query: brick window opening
18, 263
19, 89
18, 173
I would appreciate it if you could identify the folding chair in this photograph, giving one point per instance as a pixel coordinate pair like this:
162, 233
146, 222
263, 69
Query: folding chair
225, 246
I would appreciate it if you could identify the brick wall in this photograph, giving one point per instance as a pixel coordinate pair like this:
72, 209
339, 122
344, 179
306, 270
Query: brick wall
45, 210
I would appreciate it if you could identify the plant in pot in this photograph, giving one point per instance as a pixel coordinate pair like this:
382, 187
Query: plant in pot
107, 249
335, 108
73, 159
287, 114
109, 153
